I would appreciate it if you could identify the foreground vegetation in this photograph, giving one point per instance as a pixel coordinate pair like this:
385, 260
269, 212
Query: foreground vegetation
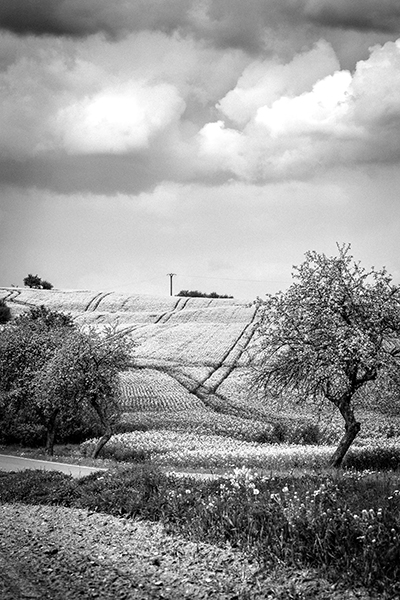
344, 524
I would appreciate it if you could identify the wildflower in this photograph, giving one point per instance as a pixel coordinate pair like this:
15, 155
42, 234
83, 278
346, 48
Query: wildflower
256, 491
285, 490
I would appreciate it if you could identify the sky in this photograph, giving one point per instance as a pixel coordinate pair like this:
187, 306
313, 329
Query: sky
218, 140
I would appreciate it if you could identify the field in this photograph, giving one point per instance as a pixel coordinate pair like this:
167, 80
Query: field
189, 398
196, 344
188, 405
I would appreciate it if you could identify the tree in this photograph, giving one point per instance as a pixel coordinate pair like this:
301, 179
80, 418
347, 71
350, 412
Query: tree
83, 375
197, 294
335, 330
34, 281
5, 312
52, 372
25, 345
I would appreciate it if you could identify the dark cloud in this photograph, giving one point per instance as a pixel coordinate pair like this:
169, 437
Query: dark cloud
101, 174
359, 15
250, 25
70, 174
221, 23
79, 18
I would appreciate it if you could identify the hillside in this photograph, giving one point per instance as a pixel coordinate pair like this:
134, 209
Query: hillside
191, 368
191, 352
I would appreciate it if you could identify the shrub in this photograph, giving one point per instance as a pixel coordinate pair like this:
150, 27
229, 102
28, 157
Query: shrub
383, 457
5, 312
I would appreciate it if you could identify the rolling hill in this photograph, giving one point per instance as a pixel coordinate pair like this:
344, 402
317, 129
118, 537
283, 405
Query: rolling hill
192, 367
191, 353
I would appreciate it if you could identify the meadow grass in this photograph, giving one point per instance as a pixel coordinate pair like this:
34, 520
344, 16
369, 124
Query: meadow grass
344, 524
203, 439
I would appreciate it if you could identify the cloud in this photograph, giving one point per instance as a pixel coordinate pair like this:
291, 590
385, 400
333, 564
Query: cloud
345, 118
80, 18
370, 15
125, 114
255, 25
118, 119
263, 82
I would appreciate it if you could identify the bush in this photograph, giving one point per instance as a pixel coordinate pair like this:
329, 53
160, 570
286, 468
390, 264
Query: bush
381, 458
5, 312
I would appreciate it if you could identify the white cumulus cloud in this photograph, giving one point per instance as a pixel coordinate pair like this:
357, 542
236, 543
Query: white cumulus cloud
263, 82
344, 117
118, 119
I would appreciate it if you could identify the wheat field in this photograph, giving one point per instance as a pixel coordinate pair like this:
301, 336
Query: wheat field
187, 350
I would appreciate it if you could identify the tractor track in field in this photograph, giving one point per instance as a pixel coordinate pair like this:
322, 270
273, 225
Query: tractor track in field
94, 302
179, 306
208, 386
12, 298
236, 351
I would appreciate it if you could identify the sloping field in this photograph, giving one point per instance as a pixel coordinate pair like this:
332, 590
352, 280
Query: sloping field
188, 349
192, 366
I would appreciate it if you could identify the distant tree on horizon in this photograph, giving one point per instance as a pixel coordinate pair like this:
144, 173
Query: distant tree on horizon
34, 281
197, 294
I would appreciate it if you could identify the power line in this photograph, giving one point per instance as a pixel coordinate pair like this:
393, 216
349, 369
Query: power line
136, 283
233, 279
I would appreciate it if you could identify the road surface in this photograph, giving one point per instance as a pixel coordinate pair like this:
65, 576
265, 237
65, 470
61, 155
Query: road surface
18, 463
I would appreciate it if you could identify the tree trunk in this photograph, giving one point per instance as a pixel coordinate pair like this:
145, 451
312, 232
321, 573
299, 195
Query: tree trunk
51, 433
50, 438
101, 443
352, 428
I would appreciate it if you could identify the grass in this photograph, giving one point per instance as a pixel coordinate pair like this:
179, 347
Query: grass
346, 525
193, 449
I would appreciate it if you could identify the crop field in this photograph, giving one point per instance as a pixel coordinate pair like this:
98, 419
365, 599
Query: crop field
186, 348
191, 378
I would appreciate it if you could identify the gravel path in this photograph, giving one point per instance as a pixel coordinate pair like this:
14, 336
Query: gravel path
57, 553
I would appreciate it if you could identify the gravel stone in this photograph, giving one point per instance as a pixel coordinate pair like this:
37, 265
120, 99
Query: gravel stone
58, 553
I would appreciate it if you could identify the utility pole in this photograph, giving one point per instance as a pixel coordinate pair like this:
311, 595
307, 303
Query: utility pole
170, 275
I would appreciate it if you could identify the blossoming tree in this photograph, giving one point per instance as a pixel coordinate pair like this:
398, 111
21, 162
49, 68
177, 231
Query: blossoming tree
332, 332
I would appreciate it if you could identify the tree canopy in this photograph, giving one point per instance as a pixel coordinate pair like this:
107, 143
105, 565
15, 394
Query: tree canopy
51, 373
197, 294
34, 281
332, 332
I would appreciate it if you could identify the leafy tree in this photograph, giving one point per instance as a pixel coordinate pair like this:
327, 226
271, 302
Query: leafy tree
25, 345
34, 281
335, 330
197, 294
52, 372
83, 375
5, 312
